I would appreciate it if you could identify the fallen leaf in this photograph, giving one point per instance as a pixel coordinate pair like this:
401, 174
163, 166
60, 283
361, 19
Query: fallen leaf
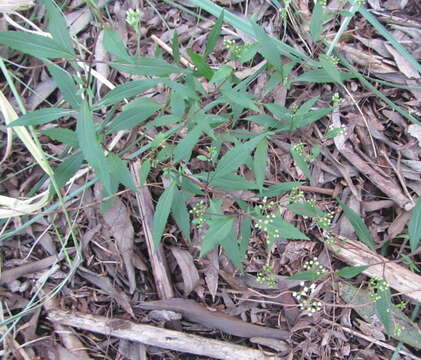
188, 269
402, 63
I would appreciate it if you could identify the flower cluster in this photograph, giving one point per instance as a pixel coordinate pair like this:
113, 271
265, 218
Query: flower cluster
325, 220
322, 2
314, 265
265, 205
334, 131
295, 196
377, 285
337, 100
267, 277
306, 300
133, 18
264, 223
198, 211
398, 330
234, 49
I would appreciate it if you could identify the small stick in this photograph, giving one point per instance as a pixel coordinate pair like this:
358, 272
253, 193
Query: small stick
168, 49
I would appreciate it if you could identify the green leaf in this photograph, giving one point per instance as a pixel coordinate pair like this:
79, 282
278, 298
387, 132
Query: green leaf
42, 116
185, 147
414, 226
311, 117
127, 90
68, 168
316, 22
203, 69
245, 233
232, 182
305, 209
180, 214
301, 162
120, 172
219, 228
268, 47
57, 26
62, 135
280, 189
241, 98
113, 44
236, 156
265, 120
348, 272
321, 76
128, 119
144, 170
221, 74
309, 275
67, 86
175, 45
142, 65
384, 309
259, 163
36, 45
91, 149
330, 68
285, 229
214, 35
162, 212
281, 112
230, 245
360, 228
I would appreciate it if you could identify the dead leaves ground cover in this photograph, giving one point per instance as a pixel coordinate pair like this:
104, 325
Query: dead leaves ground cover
374, 168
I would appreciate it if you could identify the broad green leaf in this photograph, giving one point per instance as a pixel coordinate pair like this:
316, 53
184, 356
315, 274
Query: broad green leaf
91, 149
384, 309
67, 86
128, 119
330, 68
309, 275
127, 90
287, 230
305, 209
162, 212
265, 120
232, 182
175, 45
214, 35
316, 22
202, 67
306, 107
219, 229
185, 147
221, 74
114, 44
279, 111
68, 168
320, 76
241, 98
42, 116
36, 45
348, 272
165, 153
259, 163
245, 233
414, 226
120, 172
311, 117
267, 46
57, 26
280, 189
230, 245
236, 156
301, 162
144, 170
142, 65
180, 214
358, 224
177, 103
62, 135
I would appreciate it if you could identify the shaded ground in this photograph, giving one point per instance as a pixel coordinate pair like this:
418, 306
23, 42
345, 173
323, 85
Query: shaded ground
119, 276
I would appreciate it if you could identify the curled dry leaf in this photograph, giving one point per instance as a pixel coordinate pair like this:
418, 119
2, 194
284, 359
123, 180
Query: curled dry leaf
188, 269
402, 63
415, 131
15, 5
118, 219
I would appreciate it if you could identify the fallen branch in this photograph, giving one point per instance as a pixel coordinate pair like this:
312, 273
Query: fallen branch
154, 336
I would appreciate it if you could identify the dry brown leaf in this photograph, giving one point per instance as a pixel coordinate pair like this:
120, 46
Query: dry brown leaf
118, 219
13, 5
188, 269
415, 131
402, 63
212, 272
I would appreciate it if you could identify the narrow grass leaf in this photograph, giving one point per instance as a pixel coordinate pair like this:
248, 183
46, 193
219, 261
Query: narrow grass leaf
42, 116
348, 272
316, 22
236, 157
91, 149
219, 229
162, 212
57, 26
62, 135
175, 46
309, 275
128, 119
144, 171
260, 162
66, 85
180, 214
148, 66
414, 226
36, 45
321, 76
358, 224
214, 35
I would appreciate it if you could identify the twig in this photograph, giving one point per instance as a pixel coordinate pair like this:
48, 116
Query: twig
163, 338
168, 49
